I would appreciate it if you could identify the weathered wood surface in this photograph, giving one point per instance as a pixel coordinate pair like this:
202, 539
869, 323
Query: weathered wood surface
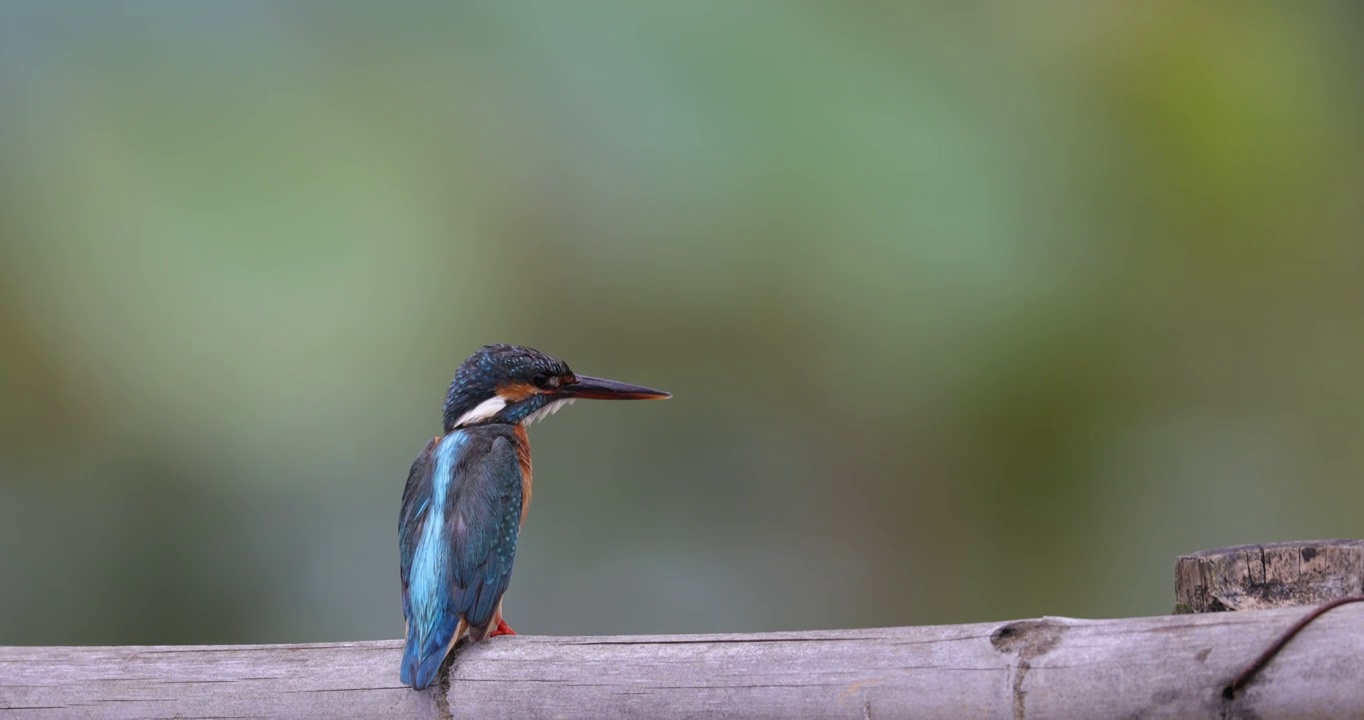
1156, 667
1258, 577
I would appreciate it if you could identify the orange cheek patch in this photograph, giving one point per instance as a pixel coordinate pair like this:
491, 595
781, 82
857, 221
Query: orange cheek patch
516, 392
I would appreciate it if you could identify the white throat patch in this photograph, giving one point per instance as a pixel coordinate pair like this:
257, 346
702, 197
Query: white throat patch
483, 411
548, 410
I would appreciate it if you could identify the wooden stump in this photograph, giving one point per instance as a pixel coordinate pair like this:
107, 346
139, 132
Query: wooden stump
1258, 577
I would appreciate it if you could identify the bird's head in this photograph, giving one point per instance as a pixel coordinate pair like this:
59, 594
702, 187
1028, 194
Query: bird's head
514, 384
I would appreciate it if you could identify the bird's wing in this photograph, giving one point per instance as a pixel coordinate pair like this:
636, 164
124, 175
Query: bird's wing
457, 537
412, 515
483, 526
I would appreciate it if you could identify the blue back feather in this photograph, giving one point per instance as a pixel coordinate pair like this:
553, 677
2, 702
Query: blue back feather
457, 540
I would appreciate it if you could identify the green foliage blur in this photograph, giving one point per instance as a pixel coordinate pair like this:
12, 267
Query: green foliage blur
971, 311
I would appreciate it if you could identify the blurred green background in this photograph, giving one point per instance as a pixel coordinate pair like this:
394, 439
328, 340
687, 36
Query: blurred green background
971, 311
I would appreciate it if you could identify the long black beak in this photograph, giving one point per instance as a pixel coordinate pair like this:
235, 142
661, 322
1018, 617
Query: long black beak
592, 388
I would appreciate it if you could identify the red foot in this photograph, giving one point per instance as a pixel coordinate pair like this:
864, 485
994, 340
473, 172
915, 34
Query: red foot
502, 629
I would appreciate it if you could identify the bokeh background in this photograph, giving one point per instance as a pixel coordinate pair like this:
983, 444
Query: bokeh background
972, 311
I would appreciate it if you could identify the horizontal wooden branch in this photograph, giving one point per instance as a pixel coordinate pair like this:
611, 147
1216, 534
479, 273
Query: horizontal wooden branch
1155, 667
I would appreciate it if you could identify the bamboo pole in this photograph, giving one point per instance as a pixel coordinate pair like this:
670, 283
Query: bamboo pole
1153, 667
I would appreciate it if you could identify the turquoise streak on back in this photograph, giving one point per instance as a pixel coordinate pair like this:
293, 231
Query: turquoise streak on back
433, 621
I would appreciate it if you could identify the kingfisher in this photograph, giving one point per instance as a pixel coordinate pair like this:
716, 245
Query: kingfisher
467, 495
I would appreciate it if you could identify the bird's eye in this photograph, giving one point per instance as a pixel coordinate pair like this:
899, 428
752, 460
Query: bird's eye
543, 381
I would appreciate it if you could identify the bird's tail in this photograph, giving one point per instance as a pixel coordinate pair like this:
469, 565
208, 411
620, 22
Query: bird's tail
426, 652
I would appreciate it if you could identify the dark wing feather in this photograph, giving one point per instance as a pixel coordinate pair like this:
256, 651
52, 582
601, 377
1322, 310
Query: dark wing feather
412, 515
484, 524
